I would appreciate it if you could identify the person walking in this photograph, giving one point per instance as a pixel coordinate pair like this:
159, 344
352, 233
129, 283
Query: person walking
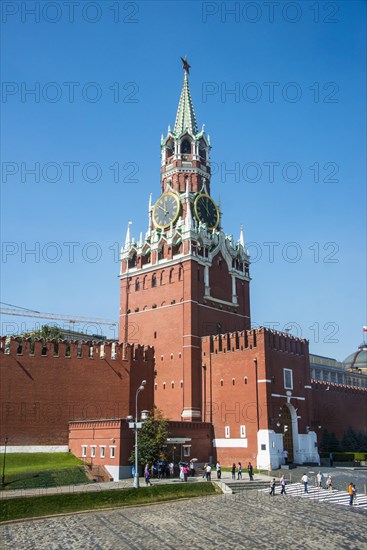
204, 469
351, 492
239, 471
329, 483
185, 472
219, 471
192, 469
285, 456
208, 472
233, 471
355, 495
319, 479
171, 469
272, 487
147, 475
250, 470
305, 482
282, 485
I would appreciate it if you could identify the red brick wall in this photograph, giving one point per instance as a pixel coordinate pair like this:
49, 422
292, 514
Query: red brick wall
338, 408
41, 393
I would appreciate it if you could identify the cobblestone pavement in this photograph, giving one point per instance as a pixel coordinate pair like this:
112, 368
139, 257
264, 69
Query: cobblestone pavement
247, 520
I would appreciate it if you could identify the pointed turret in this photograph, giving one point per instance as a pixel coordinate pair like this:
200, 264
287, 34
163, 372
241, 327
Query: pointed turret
128, 236
185, 118
241, 240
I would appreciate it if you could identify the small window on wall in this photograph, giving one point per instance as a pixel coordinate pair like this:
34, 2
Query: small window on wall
186, 450
93, 451
84, 451
243, 431
102, 451
227, 431
263, 447
288, 379
112, 452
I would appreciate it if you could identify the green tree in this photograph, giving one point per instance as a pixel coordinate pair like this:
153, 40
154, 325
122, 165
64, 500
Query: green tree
152, 439
45, 333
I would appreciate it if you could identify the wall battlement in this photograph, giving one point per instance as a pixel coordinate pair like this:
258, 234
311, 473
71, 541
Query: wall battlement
64, 349
337, 388
248, 339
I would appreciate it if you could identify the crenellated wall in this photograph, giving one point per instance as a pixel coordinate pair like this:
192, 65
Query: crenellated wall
45, 386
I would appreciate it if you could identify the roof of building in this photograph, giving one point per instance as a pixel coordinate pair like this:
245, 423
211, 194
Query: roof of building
185, 118
358, 359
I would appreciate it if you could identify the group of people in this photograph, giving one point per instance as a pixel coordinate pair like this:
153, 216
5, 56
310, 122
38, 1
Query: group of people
159, 470
282, 483
238, 469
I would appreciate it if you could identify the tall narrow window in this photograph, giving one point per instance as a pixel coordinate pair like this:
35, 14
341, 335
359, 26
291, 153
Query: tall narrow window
288, 379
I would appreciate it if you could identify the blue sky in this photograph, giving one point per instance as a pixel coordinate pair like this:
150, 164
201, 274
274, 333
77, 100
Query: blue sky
288, 150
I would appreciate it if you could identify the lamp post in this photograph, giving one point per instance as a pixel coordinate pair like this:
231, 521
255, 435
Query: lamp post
136, 425
6, 439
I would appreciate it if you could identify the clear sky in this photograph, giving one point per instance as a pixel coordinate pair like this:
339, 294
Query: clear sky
281, 89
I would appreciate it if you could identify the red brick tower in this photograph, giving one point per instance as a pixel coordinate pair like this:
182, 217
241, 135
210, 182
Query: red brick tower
186, 279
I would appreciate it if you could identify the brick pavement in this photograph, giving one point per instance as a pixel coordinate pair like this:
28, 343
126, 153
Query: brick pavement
246, 520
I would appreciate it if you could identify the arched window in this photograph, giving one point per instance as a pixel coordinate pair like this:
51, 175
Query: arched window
233, 381
221, 382
154, 280
245, 379
186, 147
137, 285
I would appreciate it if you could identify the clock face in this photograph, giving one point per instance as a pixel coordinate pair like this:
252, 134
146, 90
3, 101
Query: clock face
166, 210
206, 211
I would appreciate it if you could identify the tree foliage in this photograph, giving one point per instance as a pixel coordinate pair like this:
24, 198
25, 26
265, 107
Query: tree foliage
152, 439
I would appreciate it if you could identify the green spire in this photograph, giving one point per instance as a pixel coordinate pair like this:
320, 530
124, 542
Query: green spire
185, 118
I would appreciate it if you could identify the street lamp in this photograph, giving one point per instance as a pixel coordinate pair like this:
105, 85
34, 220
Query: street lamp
135, 426
6, 439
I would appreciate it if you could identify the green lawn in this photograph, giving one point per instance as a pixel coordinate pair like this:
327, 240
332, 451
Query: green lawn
29, 462
29, 470
18, 508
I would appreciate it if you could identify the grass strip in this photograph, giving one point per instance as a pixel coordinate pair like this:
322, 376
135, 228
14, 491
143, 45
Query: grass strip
31, 507
29, 462
46, 478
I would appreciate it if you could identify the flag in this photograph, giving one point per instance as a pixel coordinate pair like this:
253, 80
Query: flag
365, 328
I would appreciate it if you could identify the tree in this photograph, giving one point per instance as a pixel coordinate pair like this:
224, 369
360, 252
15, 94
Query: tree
152, 438
44, 333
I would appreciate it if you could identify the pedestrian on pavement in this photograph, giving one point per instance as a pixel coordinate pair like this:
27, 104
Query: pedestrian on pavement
272, 487
182, 477
331, 459
185, 472
282, 484
305, 482
192, 469
147, 475
250, 471
208, 472
171, 469
239, 471
355, 495
204, 470
219, 471
319, 479
329, 484
285, 456
233, 471
351, 492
